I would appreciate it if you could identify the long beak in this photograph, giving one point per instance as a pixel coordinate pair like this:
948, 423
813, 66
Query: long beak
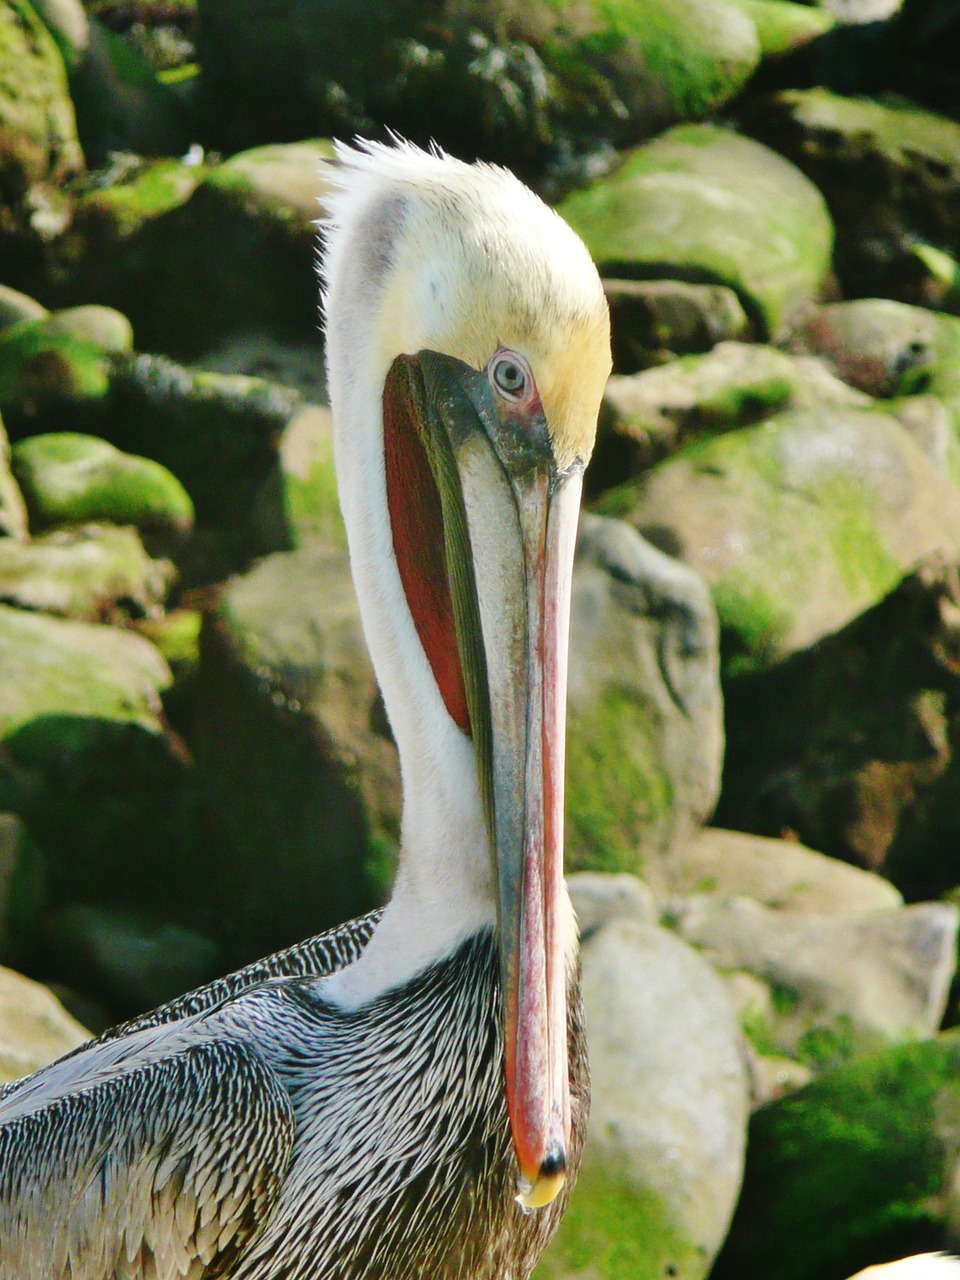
509, 524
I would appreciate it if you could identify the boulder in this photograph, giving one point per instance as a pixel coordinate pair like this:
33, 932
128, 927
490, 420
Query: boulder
88, 763
529, 85
853, 745
196, 252
781, 874
887, 348
47, 368
652, 319
16, 306
35, 1029
665, 1146
783, 27
851, 1168
39, 151
67, 478
644, 729
703, 203
797, 524
300, 788
841, 985
96, 574
67, 22
889, 172
647, 416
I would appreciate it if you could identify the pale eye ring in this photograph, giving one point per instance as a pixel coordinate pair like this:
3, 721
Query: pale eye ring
508, 373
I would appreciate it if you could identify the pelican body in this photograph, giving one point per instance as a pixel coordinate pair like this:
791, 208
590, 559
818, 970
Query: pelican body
404, 1097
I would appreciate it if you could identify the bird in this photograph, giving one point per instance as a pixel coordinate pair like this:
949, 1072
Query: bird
406, 1095
922, 1266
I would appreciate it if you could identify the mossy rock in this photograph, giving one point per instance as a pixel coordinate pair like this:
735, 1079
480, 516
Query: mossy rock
797, 524
536, 86
644, 739
13, 512
890, 172
87, 761
783, 27
40, 150
67, 478
849, 1169
23, 891
44, 364
704, 203
93, 574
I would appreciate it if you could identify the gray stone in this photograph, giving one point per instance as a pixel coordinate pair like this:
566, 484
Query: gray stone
299, 782
798, 524
644, 735
34, 1027
599, 898
653, 412
94, 574
651, 318
781, 874
842, 984
703, 201
665, 1145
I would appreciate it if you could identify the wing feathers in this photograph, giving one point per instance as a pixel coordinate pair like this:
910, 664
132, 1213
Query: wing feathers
163, 1173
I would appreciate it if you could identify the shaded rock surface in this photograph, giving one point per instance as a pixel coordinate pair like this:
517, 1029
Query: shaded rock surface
664, 1154
701, 202
22, 891
644, 738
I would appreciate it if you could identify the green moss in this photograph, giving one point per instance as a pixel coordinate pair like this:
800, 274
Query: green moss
825, 1048
783, 27
617, 788
158, 189
39, 359
620, 1233
848, 1169
758, 1031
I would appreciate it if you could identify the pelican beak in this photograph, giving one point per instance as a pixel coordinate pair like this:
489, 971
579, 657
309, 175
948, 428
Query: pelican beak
509, 526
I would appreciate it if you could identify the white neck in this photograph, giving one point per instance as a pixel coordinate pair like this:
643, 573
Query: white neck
445, 888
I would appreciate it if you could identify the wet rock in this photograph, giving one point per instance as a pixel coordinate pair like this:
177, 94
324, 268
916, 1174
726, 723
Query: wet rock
40, 149
527, 85
86, 760
67, 478
22, 890
850, 1168
133, 961
652, 319
853, 745
886, 348
841, 985
663, 1161
646, 416
300, 784
703, 202
644, 733
34, 1027
798, 524
94, 574
889, 173
781, 874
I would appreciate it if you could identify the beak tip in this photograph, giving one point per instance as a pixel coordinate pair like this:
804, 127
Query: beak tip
547, 1183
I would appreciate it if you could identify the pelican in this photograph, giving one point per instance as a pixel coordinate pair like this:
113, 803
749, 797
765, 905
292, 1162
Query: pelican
404, 1097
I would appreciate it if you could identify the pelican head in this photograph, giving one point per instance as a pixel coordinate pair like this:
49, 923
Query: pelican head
468, 347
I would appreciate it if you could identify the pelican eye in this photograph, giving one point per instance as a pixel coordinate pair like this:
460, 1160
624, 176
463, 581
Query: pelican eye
510, 375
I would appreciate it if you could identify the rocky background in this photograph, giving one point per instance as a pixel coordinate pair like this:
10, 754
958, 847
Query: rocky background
195, 767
